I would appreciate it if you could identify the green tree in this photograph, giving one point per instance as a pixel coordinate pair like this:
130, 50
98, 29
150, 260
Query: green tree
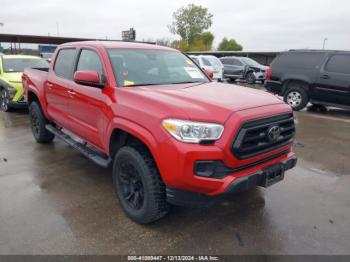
180, 45
203, 42
189, 22
229, 45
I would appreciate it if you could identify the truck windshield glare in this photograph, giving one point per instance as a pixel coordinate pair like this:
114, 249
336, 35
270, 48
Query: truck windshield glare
153, 67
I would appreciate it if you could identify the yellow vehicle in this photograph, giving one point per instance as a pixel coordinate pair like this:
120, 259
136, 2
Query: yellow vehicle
11, 69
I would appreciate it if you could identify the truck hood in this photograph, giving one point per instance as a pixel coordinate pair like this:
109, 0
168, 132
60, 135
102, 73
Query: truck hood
212, 101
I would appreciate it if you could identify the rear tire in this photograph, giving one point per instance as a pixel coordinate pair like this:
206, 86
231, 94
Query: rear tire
138, 185
4, 100
38, 123
296, 97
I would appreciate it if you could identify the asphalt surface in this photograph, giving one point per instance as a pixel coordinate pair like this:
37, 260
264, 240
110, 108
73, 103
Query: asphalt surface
54, 201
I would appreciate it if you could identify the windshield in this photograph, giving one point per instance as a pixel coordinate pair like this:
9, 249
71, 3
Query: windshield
195, 59
206, 62
249, 61
11, 65
137, 67
214, 61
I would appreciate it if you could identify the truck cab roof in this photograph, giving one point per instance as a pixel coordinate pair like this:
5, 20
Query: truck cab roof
117, 44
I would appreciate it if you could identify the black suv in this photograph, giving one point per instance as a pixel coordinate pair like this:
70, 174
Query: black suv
316, 76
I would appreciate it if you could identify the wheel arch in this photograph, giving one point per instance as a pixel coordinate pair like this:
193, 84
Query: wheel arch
287, 83
123, 132
33, 96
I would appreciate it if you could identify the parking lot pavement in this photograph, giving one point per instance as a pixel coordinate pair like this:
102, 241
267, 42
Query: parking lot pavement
54, 201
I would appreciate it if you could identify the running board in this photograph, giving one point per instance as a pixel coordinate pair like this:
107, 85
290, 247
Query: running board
96, 157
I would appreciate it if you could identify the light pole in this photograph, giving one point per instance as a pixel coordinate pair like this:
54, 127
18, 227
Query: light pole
1, 24
324, 42
58, 29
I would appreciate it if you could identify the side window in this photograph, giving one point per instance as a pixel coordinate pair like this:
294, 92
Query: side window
236, 62
65, 62
196, 60
307, 60
339, 64
205, 61
224, 61
89, 60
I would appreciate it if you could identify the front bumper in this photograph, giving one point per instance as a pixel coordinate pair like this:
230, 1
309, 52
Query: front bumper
18, 104
260, 76
176, 161
192, 199
16, 95
218, 74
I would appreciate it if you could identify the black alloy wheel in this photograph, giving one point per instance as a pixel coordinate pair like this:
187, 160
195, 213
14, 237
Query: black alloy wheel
131, 185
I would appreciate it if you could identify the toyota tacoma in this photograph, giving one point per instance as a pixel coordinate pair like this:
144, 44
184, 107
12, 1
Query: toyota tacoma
171, 134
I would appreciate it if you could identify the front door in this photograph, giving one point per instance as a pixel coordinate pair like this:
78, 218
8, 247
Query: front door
87, 103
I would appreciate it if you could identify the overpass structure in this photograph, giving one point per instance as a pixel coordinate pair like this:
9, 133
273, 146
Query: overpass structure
264, 58
16, 40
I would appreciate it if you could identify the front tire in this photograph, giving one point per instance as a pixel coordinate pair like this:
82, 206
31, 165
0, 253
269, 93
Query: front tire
138, 185
296, 97
4, 100
250, 78
38, 123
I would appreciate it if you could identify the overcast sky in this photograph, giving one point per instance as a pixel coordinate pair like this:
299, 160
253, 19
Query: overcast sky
265, 25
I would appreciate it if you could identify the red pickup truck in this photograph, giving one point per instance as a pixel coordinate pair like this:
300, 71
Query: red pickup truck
172, 135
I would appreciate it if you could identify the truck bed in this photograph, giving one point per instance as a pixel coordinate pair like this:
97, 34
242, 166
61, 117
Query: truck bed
35, 78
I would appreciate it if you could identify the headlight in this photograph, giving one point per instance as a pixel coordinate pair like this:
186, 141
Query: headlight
192, 132
11, 90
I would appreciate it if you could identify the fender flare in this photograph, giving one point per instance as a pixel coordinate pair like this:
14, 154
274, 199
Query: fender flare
134, 129
41, 98
286, 82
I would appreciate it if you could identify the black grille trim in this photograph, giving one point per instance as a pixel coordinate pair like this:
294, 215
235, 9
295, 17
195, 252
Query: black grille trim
252, 140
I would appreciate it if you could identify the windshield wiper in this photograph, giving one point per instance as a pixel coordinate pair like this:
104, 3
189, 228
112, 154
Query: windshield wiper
157, 84
188, 82
142, 85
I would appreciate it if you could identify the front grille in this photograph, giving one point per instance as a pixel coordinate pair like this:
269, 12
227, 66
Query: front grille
260, 136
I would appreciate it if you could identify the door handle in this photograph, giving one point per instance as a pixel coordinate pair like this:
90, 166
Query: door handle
325, 77
71, 92
49, 86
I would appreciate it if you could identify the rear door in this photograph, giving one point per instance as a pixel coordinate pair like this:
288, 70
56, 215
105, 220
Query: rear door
333, 84
58, 85
87, 103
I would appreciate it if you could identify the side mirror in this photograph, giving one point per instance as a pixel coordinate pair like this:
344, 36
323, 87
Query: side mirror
209, 73
88, 78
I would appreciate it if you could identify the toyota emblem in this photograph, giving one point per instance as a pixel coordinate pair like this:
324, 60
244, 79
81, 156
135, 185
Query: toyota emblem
274, 133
